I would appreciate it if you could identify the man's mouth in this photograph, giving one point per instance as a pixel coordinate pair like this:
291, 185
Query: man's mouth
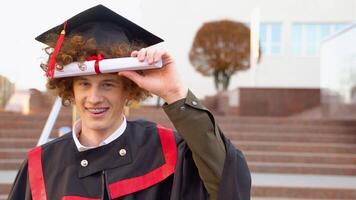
96, 111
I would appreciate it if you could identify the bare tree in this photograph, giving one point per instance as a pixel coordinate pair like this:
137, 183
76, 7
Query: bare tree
220, 49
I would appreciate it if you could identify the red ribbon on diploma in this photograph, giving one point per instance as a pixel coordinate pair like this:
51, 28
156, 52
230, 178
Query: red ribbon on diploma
97, 58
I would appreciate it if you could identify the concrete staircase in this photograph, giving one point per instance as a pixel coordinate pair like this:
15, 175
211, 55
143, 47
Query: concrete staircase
290, 158
19, 133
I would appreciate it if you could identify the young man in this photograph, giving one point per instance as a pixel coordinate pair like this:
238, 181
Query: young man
108, 157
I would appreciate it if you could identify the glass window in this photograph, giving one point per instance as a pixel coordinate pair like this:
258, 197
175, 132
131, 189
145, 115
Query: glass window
270, 38
324, 31
263, 33
276, 33
339, 27
306, 38
297, 33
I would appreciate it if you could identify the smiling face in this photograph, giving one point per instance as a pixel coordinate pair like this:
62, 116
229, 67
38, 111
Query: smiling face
100, 100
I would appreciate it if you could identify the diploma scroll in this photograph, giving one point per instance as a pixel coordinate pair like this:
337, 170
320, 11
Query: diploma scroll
111, 65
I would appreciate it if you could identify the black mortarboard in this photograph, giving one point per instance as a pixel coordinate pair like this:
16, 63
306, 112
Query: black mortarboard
100, 23
99, 17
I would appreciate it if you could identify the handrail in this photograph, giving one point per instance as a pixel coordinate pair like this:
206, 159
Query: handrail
46, 132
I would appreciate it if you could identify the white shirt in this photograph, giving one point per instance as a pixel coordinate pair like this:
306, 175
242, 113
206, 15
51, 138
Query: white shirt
77, 127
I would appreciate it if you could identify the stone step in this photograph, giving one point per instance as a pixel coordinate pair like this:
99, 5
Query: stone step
295, 137
10, 164
286, 198
295, 147
290, 133
13, 153
302, 168
36, 117
31, 125
303, 193
287, 128
284, 120
25, 133
18, 142
5, 189
298, 157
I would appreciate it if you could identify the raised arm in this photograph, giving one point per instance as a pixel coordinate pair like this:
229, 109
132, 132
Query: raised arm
193, 121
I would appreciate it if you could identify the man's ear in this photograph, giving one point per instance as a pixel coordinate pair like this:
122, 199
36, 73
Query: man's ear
127, 102
130, 97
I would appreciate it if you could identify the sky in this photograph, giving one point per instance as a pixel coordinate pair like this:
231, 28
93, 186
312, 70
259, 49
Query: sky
22, 21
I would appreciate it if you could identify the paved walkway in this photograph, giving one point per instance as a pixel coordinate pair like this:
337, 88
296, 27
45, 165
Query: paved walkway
301, 180
7, 176
261, 179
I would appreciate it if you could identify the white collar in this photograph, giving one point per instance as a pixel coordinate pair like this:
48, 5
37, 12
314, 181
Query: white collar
77, 127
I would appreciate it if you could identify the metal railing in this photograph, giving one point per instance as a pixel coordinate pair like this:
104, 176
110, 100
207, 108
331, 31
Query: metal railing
46, 132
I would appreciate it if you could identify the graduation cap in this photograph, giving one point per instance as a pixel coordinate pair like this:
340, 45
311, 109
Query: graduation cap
106, 27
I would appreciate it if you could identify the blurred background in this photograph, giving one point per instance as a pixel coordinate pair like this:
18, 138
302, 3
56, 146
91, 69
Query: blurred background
279, 75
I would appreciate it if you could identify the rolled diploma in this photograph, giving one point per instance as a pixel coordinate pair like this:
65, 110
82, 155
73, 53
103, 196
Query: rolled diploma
106, 66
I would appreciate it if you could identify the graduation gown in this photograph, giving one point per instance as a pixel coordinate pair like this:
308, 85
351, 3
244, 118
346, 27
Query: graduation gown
146, 162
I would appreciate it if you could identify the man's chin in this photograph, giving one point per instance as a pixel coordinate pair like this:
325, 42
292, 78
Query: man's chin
96, 125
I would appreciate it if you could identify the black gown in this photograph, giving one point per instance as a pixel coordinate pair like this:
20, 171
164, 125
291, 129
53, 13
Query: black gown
146, 162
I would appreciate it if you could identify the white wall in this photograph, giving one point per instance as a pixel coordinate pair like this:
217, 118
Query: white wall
338, 65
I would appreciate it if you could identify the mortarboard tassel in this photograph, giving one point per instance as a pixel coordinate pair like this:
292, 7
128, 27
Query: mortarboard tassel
52, 60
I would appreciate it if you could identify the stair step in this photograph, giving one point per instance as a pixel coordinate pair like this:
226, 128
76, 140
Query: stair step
5, 188
284, 120
304, 193
25, 133
18, 142
10, 164
287, 128
297, 157
13, 153
278, 137
295, 147
302, 168
31, 125
286, 198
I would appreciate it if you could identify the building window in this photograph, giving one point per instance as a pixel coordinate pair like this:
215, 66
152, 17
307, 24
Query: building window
271, 38
307, 37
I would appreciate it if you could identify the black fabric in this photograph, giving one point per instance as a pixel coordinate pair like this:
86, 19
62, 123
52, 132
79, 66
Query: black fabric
103, 24
61, 172
236, 177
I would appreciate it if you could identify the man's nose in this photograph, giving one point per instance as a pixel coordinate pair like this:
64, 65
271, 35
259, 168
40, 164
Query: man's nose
94, 96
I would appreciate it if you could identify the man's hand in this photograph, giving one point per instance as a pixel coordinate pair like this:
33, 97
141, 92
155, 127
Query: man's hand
163, 82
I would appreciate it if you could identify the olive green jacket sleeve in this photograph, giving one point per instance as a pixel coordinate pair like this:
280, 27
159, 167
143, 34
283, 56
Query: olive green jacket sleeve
198, 128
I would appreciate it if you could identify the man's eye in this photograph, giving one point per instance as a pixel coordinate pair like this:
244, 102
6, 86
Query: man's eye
108, 85
83, 84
